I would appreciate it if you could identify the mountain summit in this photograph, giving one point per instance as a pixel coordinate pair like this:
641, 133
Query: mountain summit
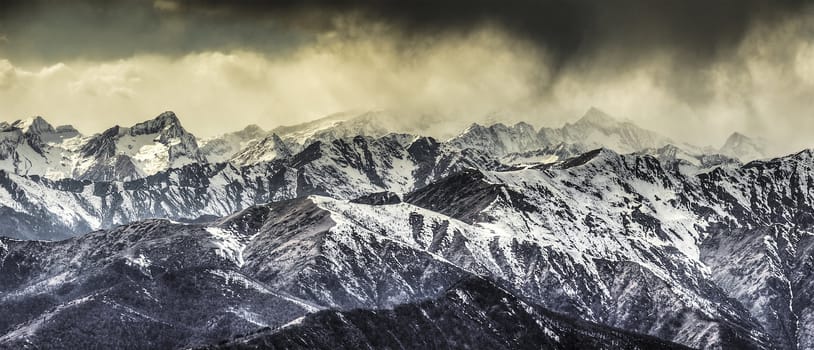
34, 147
743, 147
35, 125
598, 129
597, 118
161, 124
143, 149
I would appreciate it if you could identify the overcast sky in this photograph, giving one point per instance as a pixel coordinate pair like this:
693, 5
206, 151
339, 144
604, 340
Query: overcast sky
693, 70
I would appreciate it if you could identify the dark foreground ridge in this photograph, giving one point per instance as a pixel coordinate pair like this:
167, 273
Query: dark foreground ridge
472, 314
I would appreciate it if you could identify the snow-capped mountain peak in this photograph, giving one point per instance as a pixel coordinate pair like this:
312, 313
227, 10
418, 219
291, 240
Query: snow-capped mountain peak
498, 139
744, 147
598, 129
166, 124
144, 149
285, 140
224, 147
38, 126
267, 149
598, 118
34, 147
251, 131
35, 125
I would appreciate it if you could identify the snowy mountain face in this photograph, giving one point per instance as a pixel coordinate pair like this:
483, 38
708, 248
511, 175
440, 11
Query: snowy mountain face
499, 139
522, 144
34, 147
266, 149
545, 155
598, 129
672, 156
143, 149
222, 148
692, 249
152, 284
162, 284
285, 140
744, 148
271, 167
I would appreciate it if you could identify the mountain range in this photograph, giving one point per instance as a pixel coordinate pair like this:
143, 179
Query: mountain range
56, 183
339, 233
35, 147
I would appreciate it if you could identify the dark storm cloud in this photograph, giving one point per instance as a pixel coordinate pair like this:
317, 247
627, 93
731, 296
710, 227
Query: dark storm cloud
697, 30
588, 36
569, 30
55, 30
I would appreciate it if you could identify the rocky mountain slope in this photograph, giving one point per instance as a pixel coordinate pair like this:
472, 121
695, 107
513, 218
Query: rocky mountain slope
168, 175
621, 240
473, 313
691, 248
147, 285
41, 208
